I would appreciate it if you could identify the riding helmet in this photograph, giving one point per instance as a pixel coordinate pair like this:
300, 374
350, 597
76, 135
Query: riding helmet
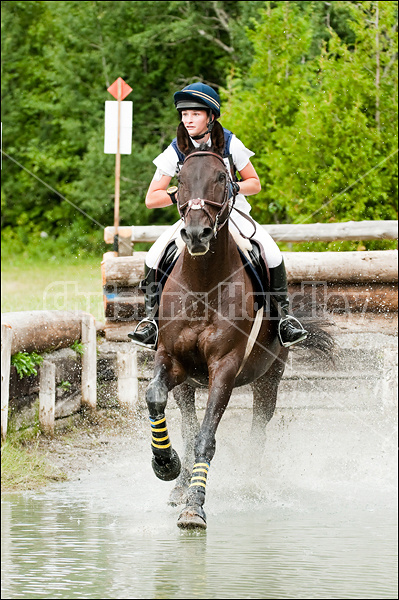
198, 95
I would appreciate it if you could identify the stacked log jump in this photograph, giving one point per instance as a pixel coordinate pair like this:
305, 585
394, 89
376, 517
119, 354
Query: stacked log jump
340, 282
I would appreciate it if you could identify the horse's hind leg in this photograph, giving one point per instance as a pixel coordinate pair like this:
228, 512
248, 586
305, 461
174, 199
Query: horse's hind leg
265, 390
185, 399
165, 460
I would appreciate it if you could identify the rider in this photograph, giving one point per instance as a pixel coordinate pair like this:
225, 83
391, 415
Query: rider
198, 106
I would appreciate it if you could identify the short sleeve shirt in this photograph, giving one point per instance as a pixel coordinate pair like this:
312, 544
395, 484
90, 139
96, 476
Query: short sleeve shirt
167, 164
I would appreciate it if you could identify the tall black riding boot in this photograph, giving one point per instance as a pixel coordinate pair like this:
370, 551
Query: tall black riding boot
290, 330
146, 332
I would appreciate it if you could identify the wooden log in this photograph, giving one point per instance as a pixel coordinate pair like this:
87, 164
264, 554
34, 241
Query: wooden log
335, 297
125, 308
379, 266
117, 331
47, 397
126, 270
147, 233
332, 232
89, 362
307, 232
39, 330
128, 383
374, 266
346, 298
6, 343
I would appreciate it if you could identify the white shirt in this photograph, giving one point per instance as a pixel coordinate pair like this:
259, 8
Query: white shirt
167, 164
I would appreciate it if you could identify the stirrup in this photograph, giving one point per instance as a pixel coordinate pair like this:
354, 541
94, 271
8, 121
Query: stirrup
300, 339
143, 321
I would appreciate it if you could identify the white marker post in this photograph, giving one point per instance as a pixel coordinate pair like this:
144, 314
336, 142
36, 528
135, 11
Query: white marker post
118, 138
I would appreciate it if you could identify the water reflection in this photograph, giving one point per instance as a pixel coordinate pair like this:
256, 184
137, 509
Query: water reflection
54, 550
315, 519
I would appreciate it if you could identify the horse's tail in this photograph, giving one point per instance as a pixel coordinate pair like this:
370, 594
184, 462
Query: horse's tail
319, 341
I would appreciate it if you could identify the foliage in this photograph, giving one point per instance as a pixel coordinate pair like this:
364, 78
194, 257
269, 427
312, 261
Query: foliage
65, 385
325, 132
26, 363
310, 87
59, 58
78, 347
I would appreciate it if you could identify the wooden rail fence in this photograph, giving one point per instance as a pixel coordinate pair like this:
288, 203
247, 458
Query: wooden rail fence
357, 281
353, 280
41, 331
307, 232
44, 330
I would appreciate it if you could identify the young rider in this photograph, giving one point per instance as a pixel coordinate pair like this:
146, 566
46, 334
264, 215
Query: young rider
199, 105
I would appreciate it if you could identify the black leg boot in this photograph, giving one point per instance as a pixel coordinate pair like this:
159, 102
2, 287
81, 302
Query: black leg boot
290, 330
146, 332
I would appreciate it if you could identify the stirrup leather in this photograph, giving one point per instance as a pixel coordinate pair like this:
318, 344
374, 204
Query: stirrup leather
143, 322
300, 339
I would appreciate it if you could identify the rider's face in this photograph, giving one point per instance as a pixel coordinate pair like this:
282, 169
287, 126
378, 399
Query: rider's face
195, 121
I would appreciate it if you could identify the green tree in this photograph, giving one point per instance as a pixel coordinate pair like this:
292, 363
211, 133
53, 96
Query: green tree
325, 134
58, 60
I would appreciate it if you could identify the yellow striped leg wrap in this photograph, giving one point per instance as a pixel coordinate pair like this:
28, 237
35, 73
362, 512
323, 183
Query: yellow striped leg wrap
200, 473
160, 437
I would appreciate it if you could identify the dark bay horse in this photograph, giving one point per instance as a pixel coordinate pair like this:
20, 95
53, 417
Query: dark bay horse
204, 328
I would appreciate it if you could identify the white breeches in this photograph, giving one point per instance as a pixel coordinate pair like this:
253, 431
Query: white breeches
272, 251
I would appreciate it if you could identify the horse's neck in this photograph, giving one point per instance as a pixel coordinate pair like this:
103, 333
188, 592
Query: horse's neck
216, 265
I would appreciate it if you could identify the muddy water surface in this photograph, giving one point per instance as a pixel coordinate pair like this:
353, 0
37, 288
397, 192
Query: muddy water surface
315, 517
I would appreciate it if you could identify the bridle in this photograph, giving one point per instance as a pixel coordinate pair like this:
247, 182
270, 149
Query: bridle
202, 203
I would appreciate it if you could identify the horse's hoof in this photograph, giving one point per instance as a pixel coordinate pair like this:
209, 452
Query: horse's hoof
178, 496
167, 471
192, 517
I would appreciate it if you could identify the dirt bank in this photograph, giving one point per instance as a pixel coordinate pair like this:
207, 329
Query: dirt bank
34, 460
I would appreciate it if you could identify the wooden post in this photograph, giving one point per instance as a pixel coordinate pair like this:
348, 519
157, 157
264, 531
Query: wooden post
117, 173
47, 397
6, 341
128, 383
89, 362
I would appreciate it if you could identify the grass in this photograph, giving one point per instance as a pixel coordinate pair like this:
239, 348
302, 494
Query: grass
25, 468
49, 283
23, 464
53, 284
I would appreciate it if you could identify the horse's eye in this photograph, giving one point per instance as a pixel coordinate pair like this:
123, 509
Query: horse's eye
221, 177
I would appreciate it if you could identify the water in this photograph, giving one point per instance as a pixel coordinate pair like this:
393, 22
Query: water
315, 518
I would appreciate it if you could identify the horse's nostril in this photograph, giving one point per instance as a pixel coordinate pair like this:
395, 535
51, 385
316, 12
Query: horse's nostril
206, 234
184, 235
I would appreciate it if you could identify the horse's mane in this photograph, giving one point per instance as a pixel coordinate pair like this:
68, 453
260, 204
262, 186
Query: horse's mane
205, 148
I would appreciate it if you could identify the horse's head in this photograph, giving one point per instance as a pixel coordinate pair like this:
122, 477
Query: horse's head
203, 190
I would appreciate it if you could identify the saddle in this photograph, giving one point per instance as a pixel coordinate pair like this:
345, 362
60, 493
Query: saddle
252, 258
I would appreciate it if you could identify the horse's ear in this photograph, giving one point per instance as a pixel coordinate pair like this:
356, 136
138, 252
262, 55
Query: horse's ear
184, 142
217, 137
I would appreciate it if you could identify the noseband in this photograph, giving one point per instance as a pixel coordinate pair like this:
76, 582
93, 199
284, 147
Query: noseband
201, 203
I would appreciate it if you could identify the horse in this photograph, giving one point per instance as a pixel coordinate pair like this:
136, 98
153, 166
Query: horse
203, 334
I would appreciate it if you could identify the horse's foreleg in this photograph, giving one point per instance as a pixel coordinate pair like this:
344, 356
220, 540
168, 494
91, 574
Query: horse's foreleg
220, 388
185, 399
165, 460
